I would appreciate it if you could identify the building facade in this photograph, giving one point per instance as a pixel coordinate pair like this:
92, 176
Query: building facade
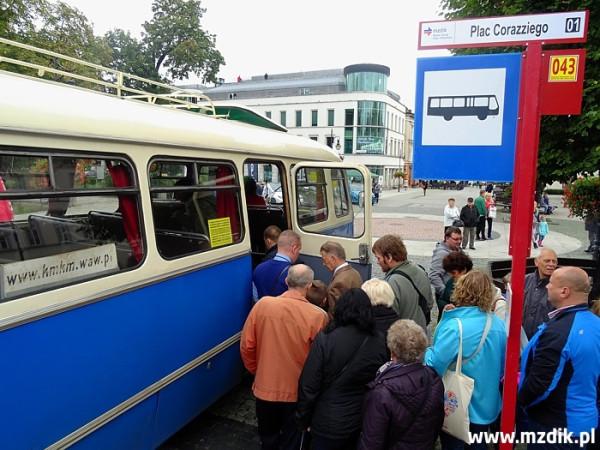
350, 110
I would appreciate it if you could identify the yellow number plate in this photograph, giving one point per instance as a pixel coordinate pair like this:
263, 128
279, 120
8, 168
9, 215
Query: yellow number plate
563, 68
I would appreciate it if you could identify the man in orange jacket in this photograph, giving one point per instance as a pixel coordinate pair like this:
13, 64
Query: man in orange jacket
275, 342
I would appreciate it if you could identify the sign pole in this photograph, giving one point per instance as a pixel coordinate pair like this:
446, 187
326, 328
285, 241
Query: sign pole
522, 220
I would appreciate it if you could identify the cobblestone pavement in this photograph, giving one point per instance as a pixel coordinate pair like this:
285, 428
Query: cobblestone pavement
230, 424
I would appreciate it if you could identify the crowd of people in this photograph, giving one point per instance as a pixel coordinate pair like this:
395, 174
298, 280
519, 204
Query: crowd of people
350, 364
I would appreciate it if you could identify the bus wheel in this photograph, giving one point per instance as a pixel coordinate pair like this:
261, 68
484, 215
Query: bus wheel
482, 116
448, 118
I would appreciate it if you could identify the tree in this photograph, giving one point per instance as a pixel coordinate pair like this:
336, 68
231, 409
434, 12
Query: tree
569, 145
173, 43
53, 26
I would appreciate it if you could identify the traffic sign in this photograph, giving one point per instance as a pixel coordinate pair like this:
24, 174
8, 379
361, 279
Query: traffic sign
465, 117
567, 27
561, 90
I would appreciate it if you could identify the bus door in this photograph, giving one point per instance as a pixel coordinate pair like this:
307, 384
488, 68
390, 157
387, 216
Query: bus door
329, 205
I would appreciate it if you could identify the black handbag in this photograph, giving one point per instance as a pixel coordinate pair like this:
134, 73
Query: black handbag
458, 223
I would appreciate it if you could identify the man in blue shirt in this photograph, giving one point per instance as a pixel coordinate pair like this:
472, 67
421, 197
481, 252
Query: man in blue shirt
269, 276
560, 366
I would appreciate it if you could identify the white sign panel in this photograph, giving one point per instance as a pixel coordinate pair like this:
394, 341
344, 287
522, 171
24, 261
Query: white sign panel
27, 276
556, 27
463, 107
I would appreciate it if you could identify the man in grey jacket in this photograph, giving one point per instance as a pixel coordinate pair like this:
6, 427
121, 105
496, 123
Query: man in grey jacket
437, 275
412, 291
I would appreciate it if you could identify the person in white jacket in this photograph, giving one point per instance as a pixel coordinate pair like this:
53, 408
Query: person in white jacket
451, 213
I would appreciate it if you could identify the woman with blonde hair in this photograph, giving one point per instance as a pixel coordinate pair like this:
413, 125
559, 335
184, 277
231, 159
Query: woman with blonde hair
484, 342
382, 298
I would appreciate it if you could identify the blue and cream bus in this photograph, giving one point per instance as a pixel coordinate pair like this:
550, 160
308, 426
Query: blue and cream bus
126, 256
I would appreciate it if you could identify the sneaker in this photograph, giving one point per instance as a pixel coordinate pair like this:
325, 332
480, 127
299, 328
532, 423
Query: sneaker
463, 248
483, 239
489, 237
472, 248
535, 245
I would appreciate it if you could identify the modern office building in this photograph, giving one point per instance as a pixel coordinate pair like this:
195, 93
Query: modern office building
350, 110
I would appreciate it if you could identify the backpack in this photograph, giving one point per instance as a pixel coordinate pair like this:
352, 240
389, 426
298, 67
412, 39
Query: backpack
422, 299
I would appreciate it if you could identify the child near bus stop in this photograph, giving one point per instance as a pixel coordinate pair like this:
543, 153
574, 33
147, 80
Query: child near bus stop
542, 230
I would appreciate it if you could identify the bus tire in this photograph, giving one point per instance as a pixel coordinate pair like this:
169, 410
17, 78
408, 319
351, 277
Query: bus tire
448, 118
482, 116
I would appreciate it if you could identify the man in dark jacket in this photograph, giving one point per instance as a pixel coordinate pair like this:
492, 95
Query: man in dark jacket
404, 408
535, 304
560, 366
470, 217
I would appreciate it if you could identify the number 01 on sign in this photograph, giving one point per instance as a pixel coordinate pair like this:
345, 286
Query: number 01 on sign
563, 68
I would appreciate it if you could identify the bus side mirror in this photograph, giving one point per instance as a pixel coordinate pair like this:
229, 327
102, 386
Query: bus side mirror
363, 253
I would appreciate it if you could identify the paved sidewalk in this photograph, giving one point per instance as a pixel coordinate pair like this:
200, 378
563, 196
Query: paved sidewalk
421, 232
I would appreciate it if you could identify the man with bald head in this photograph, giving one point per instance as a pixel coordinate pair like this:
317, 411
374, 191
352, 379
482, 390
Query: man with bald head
560, 367
536, 305
274, 345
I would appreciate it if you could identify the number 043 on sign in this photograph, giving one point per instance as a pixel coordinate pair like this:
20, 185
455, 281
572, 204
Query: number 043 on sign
563, 68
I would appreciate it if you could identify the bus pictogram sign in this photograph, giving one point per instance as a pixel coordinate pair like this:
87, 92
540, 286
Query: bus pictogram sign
563, 68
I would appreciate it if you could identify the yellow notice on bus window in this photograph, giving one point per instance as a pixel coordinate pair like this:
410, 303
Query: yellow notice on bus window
312, 176
220, 232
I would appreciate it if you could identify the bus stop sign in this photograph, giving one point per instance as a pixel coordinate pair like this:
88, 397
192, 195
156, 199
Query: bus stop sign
465, 117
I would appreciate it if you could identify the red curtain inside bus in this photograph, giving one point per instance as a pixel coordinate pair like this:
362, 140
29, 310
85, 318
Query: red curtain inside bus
128, 207
227, 205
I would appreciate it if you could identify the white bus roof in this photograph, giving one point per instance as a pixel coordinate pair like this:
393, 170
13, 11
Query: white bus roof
37, 106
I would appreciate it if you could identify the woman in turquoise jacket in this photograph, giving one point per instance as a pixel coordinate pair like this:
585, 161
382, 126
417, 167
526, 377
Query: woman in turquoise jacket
484, 344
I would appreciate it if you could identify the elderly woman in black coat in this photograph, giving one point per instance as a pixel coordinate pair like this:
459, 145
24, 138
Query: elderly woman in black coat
343, 359
382, 298
404, 408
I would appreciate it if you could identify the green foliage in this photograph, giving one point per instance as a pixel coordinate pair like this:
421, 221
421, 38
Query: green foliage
172, 46
582, 197
569, 145
178, 44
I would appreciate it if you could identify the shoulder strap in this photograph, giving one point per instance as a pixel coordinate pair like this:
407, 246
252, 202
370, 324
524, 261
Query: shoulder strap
422, 298
349, 362
486, 330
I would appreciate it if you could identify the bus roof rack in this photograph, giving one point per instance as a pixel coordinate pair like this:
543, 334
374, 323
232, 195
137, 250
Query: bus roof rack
110, 81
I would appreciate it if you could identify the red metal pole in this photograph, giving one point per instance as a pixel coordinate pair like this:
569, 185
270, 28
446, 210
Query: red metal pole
521, 220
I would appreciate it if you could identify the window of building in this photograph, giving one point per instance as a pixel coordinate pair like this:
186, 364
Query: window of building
304, 91
268, 114
314, 137
330, 117
65, 219
349, 117
298, 118
283, 118
366, 81
314, 118
195, 206
348, 140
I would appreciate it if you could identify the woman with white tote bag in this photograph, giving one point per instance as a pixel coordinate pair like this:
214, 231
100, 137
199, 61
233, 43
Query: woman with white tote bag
469, 321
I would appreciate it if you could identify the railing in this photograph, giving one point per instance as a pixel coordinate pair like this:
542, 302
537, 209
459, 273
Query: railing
114, 82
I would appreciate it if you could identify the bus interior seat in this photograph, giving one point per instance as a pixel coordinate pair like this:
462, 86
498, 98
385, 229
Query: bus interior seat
55, 235
107, 226
172, 244
13, 240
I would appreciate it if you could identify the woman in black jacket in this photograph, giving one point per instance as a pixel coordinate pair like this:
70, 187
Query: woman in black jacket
342, 360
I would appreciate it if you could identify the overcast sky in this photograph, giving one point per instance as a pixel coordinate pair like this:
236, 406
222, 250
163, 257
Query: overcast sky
278, 36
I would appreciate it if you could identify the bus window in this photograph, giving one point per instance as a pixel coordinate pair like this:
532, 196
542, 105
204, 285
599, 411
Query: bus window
69, 223
316, 188
311, 196
195, 206
270, 184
